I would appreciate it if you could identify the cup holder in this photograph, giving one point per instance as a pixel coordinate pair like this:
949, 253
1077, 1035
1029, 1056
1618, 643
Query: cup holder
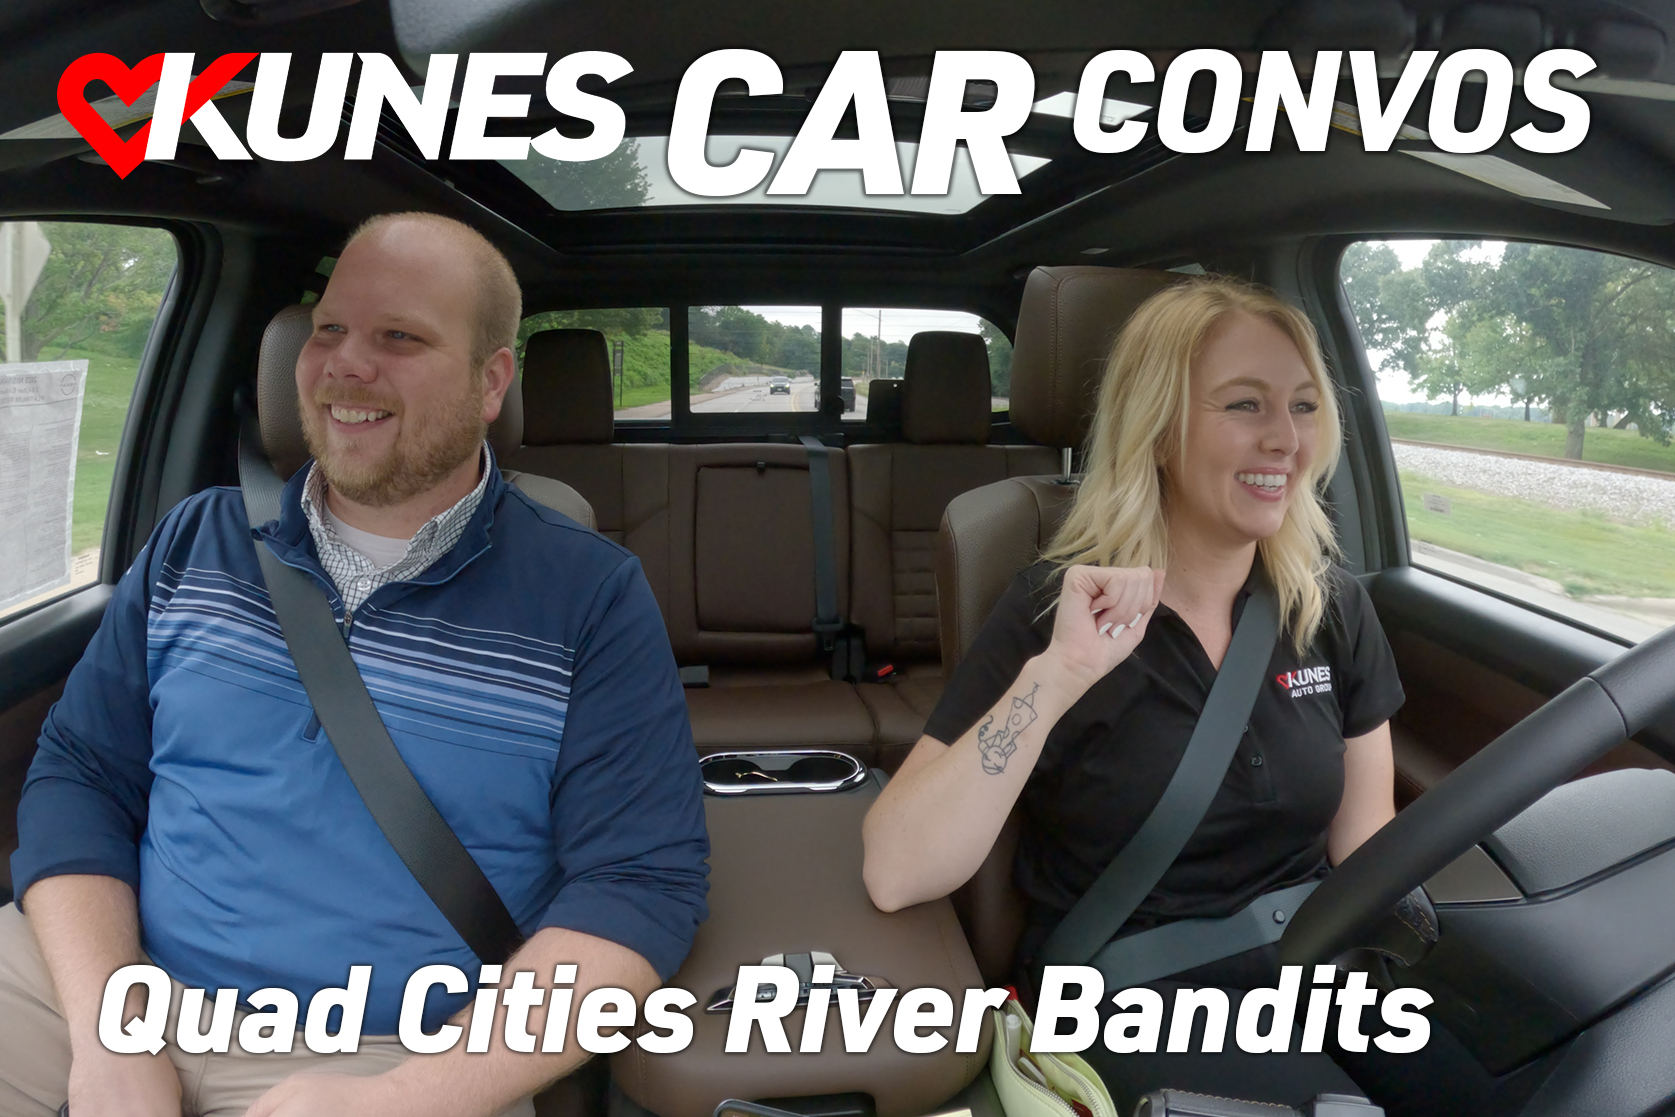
781, 773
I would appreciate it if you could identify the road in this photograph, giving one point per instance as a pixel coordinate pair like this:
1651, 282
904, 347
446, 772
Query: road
804, 397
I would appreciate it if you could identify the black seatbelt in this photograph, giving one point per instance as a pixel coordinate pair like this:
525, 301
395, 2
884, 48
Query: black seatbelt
1135, 871
431, 850
829, 624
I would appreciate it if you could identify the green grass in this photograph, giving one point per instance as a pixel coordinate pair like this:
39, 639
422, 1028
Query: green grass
642, 394
1600, 444
104, 409
1582, 551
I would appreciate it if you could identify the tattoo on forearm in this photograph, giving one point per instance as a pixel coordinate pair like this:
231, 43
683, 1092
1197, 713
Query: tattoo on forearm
997, 745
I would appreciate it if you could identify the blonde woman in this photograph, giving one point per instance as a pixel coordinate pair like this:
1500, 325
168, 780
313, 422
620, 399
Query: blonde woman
1215, 430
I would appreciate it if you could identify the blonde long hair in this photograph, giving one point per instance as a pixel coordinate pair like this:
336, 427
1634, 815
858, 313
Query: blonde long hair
1119, 516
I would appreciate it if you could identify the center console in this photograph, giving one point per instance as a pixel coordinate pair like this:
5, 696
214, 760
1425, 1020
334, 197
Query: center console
785, 888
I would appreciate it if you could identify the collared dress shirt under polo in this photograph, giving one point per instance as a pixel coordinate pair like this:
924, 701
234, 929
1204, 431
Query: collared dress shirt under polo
357, 576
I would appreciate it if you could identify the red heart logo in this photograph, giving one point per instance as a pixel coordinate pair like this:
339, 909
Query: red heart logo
127, 84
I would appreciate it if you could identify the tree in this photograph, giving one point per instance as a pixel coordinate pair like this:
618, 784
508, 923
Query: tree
1000, 358
1420, 318
1589, 333
99, 290
615, 182
620, 322
797, 348
1365, 264
1500, 351
1600, 325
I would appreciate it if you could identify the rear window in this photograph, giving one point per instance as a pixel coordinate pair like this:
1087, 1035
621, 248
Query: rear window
764, 360
875, 341
753, 358
80, 302
637, 340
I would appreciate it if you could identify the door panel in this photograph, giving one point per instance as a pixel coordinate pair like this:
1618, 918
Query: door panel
1474, 665
37, 652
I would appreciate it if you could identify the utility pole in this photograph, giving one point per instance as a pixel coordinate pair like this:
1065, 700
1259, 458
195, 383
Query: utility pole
878, 346
616, 369
23, 253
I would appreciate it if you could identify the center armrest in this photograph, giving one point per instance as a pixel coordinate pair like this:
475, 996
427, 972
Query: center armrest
785, 878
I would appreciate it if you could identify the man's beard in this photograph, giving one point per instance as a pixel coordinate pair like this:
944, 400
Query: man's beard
424, 452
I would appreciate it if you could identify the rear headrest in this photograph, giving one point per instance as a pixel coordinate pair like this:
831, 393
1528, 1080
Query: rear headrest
567, 388
945, 388
884, 407
276, 396
1066, 324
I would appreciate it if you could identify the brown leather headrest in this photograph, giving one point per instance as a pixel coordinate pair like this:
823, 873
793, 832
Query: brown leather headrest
567, 388
276, 389
1066, 324
276, 396
945, 388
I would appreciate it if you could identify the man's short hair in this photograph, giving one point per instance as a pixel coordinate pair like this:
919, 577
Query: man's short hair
499, 298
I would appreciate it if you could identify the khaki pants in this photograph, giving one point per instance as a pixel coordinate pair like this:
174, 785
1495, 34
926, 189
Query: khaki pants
35, 1046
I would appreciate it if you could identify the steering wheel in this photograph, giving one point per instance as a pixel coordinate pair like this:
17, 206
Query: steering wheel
1514, 770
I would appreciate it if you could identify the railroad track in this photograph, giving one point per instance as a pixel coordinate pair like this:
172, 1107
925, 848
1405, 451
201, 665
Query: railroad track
1663, 475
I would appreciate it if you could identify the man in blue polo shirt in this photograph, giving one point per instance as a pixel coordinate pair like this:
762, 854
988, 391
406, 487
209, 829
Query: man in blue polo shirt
185, 807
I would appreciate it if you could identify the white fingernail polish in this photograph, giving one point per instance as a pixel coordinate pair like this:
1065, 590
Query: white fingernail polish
1118, 631
1104, 628
1136, 619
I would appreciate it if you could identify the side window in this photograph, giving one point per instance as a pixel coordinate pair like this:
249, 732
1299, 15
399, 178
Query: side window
637, 340
80, 302
875, 343
754, 358
1529, 392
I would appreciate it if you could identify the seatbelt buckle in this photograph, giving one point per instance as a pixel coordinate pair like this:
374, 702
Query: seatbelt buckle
828, 632
847, 645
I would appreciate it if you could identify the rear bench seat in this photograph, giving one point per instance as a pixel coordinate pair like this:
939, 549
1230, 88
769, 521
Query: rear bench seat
724, 533
899, 493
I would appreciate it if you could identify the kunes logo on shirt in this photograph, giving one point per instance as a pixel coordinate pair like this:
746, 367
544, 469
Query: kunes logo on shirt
1307, 681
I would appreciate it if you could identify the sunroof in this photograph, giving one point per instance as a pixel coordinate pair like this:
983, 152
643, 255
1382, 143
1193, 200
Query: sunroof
637, 175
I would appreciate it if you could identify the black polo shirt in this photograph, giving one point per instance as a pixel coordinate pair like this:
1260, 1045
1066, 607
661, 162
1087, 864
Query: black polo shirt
1107, 760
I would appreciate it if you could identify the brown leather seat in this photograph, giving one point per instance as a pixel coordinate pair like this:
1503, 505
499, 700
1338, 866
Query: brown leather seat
725, 535
281, 421
1066, 324
742, 599
900, 491
567, 431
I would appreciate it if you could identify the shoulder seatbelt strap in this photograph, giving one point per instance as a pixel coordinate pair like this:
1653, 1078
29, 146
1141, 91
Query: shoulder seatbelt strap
431, 850
1135, 871
828, 621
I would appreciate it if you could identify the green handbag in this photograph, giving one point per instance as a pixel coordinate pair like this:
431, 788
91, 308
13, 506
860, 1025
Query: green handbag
1041, 1085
